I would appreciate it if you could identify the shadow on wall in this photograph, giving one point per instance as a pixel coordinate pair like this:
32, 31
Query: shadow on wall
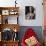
37, 29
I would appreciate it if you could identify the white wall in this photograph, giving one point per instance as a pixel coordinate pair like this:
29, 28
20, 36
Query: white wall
39, 13
22, 3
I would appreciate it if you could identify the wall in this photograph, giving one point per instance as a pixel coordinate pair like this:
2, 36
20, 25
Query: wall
22, 3
39, 13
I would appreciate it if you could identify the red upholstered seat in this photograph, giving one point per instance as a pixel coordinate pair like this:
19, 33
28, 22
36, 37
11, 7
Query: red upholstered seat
29, 33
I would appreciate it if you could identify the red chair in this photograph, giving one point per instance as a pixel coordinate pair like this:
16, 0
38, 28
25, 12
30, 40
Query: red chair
29, 33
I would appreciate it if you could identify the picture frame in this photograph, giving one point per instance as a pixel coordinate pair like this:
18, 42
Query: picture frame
5, 12
30, 13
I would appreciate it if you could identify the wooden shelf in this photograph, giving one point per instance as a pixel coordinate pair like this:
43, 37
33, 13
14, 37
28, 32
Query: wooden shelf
4, 12
11, 26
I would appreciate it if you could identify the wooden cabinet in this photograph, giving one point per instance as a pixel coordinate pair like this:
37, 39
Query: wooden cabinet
7, 25
10, 43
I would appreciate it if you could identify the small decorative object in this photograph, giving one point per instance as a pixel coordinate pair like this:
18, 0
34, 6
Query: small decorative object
15, 3
29, 12
13, 12
5, 12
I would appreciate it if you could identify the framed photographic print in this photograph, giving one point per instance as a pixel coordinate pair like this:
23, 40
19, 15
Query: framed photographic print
5, 12
29, 12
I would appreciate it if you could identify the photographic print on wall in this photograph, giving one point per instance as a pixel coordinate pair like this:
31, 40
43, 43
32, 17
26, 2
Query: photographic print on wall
29, 12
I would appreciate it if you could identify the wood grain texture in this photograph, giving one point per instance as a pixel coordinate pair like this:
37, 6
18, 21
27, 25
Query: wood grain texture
11, 26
